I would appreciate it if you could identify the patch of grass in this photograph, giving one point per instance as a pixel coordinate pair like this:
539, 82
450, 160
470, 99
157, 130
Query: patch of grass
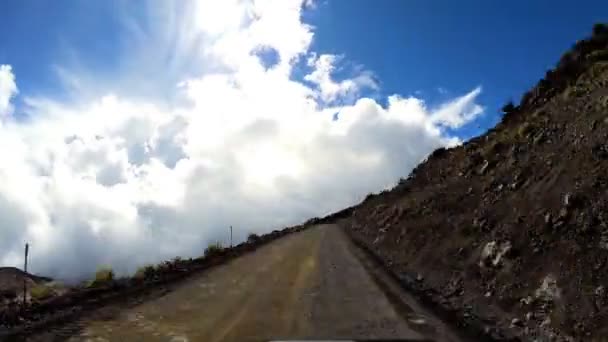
140, 274
568, 93
600, 29
524, 129
213, 249
41, 292
103, 275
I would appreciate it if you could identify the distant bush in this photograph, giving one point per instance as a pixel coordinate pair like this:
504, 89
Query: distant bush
253, 237
438, 153
103, 275
314, 220
509, 107
175, 263
213, 249
40, 292
144, 272
568, 93
164, 266
140, 274
600, 29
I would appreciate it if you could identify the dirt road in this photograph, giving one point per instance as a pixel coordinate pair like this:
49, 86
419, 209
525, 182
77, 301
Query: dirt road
312, 284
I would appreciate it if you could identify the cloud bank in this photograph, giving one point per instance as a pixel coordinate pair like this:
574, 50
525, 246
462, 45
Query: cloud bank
161, 157
8, 89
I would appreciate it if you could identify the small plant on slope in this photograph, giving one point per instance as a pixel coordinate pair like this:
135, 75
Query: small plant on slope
103, 276
40, 292
213, 249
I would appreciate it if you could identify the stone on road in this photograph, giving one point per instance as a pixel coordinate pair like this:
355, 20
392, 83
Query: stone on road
307, 285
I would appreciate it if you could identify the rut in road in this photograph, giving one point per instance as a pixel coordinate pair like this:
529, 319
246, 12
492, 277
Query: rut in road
310, 284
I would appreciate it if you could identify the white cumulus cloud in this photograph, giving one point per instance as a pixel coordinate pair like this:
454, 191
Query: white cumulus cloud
121, 177
8, 89
329, 89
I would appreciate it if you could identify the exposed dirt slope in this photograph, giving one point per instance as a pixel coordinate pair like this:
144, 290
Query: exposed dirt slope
512, 227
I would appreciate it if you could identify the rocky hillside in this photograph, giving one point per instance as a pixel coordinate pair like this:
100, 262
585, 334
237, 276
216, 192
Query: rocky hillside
511, 228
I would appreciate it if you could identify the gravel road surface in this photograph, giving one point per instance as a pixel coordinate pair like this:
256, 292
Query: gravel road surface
314, 284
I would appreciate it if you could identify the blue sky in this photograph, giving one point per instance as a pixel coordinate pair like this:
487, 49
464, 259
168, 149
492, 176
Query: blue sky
420, 45
140, 130
432, 48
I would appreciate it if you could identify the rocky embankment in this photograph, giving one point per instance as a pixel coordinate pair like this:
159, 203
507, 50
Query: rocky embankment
509, 232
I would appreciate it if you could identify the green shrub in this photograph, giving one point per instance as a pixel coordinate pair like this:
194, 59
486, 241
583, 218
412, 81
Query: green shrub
508, 107
600, 29
41, 292
253, 237
164, 266
213, 249
103, 275
144, 272
178, 262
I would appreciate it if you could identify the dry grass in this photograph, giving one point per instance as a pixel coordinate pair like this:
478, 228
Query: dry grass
104, 275
213, 249
141, 272
40, 292
524, 129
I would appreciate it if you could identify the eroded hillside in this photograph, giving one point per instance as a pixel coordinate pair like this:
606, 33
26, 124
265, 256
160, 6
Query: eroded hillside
512, 226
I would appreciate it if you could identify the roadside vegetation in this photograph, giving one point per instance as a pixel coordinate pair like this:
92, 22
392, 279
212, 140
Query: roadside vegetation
41, 292
213, 249
106, 283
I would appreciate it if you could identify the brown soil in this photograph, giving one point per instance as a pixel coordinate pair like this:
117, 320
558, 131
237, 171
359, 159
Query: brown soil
510, 230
